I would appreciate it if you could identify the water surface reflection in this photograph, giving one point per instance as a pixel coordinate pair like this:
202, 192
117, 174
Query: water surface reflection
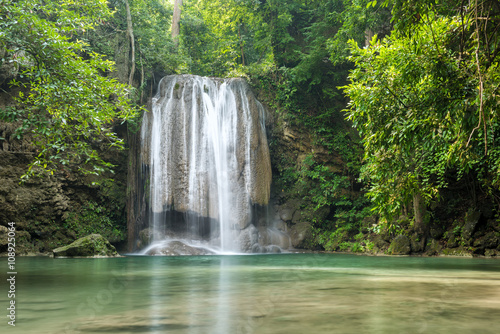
286, 293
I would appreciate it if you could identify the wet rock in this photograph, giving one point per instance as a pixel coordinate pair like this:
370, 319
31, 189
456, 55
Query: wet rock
273, 249
176, 248
147, 235
256, 248
400, 246
248, 238
301, 235
273, 236
89, 246
286, 213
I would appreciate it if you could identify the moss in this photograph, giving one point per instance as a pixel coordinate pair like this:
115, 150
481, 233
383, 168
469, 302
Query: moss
91, 245
400, 246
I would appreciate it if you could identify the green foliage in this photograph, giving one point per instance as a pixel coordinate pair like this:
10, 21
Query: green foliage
218, 37
344, 239
424, 102
93, 218
66, 105
408, 104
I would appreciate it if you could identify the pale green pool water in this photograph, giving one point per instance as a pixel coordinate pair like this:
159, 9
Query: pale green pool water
286, 293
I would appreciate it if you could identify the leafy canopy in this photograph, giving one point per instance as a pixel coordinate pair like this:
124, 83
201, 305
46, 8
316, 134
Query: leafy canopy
424, 100
66, 103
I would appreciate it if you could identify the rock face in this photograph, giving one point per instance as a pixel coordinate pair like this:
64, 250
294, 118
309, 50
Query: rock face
400, 246
205, 148
91, 245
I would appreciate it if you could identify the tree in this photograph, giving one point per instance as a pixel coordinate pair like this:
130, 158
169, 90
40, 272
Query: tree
66, 102
176, 18
408, 101
425, 100
130, 34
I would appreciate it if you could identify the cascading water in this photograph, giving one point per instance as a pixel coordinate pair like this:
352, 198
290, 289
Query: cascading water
205, 148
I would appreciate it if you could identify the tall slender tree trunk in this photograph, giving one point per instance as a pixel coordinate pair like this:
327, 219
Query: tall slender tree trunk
130, 33
241, 46
419, 211
176, 18
142, 81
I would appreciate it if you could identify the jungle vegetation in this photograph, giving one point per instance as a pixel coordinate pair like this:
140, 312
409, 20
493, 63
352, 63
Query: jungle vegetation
406, 92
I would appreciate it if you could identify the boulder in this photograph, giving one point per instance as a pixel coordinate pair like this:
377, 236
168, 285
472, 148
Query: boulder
490, 240
256, 248
471, 222
248, 238
452, 241
272, 249
433, 248
273, 236
147, 235
400, 246
89, 246
491, 253
417, 243
175, 248
301, 234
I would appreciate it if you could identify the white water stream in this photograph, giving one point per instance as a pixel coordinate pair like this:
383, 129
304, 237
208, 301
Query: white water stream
208, 158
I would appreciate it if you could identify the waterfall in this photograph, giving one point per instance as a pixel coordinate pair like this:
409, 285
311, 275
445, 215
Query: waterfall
205, 150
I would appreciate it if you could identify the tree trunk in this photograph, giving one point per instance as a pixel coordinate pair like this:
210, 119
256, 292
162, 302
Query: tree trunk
419, 211
241, 46
176, 18
142, 82
130, 33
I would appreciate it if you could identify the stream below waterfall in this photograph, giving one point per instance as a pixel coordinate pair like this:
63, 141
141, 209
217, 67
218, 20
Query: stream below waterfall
285, 293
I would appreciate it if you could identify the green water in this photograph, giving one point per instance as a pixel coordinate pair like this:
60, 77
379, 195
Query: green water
287, 293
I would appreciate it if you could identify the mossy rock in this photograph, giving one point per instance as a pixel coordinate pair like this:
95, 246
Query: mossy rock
417, 243
89, 246
433, 248
460, 251
471, 221
400, 246
491, 253
489, 240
